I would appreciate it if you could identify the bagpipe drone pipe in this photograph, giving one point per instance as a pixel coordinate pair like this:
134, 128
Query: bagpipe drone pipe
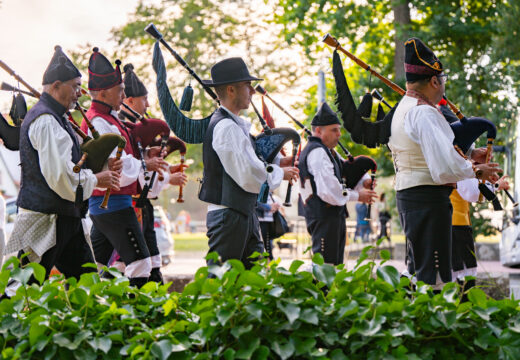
371, 134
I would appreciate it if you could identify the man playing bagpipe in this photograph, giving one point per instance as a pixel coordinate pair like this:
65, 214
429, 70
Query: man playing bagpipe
427, 166
49, 227
322, 192
233, 173
136, 97
117, 227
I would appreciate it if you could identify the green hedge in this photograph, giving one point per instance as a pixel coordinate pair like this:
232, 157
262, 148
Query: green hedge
267, 312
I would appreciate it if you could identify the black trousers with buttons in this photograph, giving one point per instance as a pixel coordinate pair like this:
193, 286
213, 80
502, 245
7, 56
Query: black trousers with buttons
329, 237
425, 214
121, 231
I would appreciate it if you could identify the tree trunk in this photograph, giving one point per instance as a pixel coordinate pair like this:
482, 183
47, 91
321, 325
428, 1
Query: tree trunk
401, 25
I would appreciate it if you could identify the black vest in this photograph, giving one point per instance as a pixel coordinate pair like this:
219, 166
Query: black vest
217, 186
313, 207
35, 194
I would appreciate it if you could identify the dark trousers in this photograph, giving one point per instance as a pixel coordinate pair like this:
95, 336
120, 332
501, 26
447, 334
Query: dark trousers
71, 250
425, 215
121, 231
266, 229
463, 248
148, 228
328, 238
234, 235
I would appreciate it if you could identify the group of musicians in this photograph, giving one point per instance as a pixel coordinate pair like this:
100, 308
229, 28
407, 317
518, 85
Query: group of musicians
53, 199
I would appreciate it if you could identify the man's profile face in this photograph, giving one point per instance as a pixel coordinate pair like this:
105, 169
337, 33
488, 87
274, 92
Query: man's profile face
139, 104
68, 92
329, 134
114, 96
242, 92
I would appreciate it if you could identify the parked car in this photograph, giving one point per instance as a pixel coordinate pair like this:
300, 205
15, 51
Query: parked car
163, 232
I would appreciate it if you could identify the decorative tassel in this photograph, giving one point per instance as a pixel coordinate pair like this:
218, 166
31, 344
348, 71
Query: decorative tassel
79, 196
18, 109
187, 98
264, 193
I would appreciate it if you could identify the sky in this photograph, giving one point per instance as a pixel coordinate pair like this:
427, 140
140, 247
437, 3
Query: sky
31, 29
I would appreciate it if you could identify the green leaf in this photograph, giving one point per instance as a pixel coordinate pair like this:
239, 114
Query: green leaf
284, 350
168, 306
252, 279
303, 345
276, 291
324, 273
262, 353
101, 343
247, 350
162, 349
255, 310
295, 265
389, 274
36, 331
38, 272
478, 297
318, 259
309, 316
385, 254
228, 354
22, 274
238, 331
223, 315
290, 310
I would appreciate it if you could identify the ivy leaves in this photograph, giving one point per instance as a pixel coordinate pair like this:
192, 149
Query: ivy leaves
265, 312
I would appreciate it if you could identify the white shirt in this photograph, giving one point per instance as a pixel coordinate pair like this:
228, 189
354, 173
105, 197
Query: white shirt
54, 147
131, 165
469, 191
428, 128
232, 144
328, 187
158, 185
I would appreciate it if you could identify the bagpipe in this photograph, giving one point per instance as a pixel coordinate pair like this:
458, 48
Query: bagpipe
371, 134
150, 132
267, 144
353, 169
95, 150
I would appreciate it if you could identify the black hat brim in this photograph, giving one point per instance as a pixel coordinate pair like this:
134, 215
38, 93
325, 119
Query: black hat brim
213, 84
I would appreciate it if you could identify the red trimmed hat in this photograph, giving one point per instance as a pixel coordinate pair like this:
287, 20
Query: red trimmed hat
101, 73
419, 61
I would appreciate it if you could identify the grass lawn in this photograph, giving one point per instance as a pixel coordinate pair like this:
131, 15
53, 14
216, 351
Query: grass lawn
191, 242
198, 242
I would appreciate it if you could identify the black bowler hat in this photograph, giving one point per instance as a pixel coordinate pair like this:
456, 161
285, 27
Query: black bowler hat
229, 71
419, 61
325, 116
60, 68
102, 74
134, 87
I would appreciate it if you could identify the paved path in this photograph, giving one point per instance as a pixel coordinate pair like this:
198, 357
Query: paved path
187, 263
